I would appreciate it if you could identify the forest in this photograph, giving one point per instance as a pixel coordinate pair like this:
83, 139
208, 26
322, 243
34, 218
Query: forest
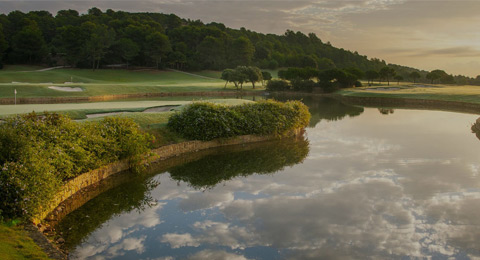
118, 39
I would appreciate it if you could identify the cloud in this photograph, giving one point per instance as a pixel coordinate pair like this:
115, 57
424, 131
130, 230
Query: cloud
215, 255
460, 51
179, 240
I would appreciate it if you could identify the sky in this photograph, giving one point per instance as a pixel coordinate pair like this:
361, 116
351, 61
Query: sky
428, 34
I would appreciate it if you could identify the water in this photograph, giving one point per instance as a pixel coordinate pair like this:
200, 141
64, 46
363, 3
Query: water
364, 183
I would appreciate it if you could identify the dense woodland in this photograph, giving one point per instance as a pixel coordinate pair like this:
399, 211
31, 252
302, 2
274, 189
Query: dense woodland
112, 39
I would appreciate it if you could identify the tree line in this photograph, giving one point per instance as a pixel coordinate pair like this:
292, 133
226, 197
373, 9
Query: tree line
98, 38
121, 39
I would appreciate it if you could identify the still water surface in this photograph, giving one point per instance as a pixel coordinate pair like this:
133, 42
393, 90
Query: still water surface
364, 183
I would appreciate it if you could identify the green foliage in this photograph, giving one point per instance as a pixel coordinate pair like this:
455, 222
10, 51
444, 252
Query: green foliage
242, 74
207, 121
387, 73
372, 75
277, 85
414, 75
39, 152
303, 85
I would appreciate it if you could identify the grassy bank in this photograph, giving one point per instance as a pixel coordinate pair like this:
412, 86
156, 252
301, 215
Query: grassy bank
16, 244
468, 94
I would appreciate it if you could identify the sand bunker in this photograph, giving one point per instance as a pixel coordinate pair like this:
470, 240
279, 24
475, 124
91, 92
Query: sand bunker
66, 89
383, 89
104, 114
148, 110
158, 109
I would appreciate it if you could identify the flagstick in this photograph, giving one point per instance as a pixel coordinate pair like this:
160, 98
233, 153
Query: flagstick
15, 97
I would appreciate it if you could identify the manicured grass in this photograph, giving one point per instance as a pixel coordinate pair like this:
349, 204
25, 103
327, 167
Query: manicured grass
16, 244
80, 110
470, 94
77, 110
104, 82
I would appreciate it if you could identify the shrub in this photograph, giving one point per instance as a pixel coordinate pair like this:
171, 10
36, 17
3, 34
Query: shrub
277, 85
207, 121
303, 85
37, 153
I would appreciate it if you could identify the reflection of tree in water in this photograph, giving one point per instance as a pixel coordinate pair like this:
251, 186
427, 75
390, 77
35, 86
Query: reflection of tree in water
476, 128
207, 169
268, 157
386, 111
129, 196
329, 109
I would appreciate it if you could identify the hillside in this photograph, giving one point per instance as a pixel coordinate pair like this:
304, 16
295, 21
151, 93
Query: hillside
114, 39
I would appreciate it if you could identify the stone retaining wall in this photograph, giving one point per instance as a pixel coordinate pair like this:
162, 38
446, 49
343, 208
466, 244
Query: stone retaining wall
93, 177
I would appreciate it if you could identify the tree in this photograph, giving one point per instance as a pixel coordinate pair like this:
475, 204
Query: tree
227, 75
3, 43
266, 76
355, 71
371, 75
325, 64
71, 40
28, 44
435, 75
101, 38
128, 49
212, 52
242, 51
387, 73
398, 78
253, 74
235, 76
414, 75
158, 46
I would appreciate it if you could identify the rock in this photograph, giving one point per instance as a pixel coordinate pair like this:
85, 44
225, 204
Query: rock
41, 227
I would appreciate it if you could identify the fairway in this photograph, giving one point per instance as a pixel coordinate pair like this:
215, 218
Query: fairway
34, 84
80, 110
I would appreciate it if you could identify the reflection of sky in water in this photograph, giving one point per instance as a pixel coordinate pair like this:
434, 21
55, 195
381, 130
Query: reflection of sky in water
373, 186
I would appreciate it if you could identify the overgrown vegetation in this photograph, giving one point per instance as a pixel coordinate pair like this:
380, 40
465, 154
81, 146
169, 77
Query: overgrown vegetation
38, 153
207, 121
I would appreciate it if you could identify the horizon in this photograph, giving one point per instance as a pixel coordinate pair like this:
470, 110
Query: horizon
375, 28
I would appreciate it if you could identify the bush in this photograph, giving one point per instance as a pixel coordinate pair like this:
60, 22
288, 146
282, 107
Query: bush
38, 153
303, 85
277, 85
207, 121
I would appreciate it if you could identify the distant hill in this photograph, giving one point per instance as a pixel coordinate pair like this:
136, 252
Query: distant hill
120, 39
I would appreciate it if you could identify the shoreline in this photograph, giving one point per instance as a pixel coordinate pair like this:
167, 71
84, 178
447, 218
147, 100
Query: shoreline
77, 187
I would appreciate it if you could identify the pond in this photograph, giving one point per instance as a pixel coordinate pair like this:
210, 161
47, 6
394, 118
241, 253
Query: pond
362, 183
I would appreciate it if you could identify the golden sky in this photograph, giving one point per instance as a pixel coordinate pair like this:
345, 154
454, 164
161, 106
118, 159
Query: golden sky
427, 34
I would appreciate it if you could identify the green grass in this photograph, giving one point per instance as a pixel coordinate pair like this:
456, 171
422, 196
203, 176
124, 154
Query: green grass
104, 82
80, 110
101, 82
16, 244
469, 94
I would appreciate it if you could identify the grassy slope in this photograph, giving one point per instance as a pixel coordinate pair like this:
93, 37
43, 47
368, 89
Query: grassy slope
16, 244
470, 94
104, 82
